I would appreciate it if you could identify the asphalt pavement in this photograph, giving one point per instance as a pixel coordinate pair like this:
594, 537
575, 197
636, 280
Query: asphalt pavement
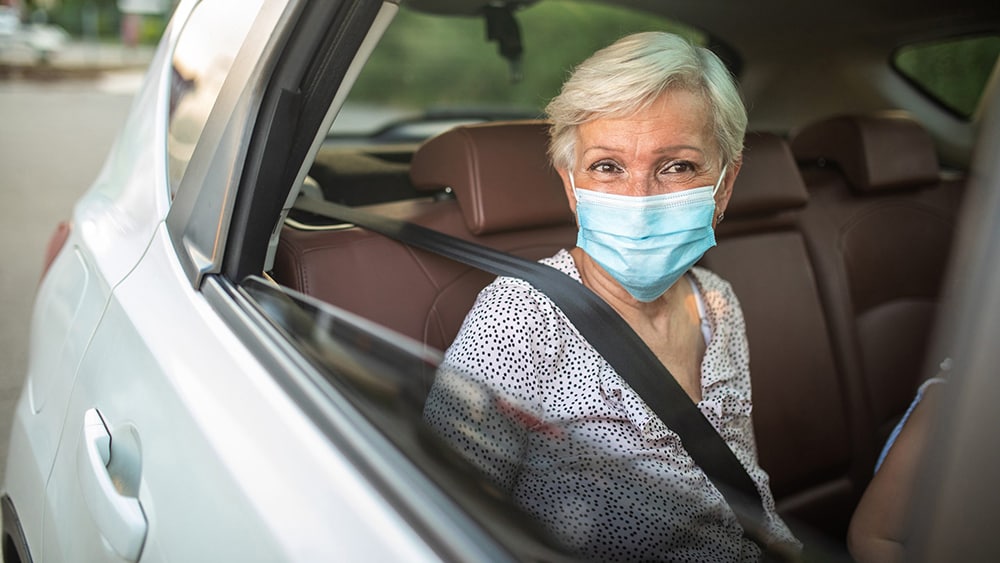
57, 123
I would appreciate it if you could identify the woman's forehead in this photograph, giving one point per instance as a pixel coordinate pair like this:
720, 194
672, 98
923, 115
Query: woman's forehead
678, 118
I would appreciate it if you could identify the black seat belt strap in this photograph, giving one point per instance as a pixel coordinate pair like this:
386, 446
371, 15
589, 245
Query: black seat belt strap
607, 332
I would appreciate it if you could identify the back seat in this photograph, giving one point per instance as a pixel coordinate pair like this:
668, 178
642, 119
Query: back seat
492, 171
879, 226
800, 404
835, 351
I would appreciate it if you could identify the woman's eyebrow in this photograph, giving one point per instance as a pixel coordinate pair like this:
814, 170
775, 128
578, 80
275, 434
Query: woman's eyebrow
658, 151
678, 148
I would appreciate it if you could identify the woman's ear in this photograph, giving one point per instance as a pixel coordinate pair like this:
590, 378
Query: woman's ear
568, 186
726, 189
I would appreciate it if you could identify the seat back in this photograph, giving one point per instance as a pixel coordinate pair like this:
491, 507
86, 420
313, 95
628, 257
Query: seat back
880, 223
505, 195
800, 408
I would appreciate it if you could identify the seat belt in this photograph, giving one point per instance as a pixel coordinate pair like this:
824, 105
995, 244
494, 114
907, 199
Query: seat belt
608, 333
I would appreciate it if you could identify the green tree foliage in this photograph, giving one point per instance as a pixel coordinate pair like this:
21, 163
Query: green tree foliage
453, 52
954, 72
100, 19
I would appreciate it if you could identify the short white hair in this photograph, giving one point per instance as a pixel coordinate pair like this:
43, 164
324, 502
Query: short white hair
632, 73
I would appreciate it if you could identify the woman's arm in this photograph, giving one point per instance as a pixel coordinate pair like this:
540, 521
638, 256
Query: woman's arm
484, 399
877, 529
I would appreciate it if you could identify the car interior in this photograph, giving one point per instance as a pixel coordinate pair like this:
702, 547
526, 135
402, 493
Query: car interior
836, 242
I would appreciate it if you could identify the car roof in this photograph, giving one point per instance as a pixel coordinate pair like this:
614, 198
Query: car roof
783, 21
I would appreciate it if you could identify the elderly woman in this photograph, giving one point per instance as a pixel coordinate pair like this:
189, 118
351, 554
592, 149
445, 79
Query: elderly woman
647, 136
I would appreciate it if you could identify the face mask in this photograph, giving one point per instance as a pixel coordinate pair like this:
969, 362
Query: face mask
646, 242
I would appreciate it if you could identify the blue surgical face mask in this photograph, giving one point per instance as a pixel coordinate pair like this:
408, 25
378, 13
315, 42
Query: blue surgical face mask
646, 243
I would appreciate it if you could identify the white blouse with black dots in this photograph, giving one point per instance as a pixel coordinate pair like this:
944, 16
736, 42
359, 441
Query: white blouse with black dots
525, 398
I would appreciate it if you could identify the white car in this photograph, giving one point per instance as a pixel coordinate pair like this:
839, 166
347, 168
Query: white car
216, 376
41, 38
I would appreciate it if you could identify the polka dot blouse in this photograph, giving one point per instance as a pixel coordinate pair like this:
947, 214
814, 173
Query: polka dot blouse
525, 398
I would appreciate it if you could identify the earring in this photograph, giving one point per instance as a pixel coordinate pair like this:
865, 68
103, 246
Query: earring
721, 216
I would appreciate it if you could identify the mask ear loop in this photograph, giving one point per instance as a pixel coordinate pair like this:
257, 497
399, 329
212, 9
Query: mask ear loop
718, 184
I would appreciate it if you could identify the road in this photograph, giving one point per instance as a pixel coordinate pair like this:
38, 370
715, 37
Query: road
54, 137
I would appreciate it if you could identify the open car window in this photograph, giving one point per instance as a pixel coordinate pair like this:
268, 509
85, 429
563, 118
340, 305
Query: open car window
430, 73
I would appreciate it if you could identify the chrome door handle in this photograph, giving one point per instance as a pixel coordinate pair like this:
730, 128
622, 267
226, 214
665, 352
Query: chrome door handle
108, 468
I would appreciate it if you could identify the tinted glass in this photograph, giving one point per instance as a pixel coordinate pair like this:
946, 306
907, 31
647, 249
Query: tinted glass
386, 378
953, 72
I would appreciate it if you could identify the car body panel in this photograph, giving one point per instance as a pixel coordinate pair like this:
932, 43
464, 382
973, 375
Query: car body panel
70, 302
111, 227
288, 495
118, 215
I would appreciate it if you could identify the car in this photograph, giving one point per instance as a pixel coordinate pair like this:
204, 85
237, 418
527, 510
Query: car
42, 39
220, 371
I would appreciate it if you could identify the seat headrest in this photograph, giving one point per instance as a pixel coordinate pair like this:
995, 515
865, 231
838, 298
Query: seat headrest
500, 174
875, 152
769, 179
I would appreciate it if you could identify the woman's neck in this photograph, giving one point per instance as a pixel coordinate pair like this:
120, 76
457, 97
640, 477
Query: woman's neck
677, 299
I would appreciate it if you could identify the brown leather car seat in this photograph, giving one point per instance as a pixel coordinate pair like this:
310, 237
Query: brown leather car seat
880, 226
506, 196
800, 405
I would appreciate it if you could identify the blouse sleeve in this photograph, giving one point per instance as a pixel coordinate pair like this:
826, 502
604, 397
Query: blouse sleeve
485, 397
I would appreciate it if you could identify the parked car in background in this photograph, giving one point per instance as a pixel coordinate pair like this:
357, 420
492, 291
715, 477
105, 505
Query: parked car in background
217, 376
42, 39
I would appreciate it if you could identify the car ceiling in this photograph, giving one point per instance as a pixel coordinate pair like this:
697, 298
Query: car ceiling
763, 25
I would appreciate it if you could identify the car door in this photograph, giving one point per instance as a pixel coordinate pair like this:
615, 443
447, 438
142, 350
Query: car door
177, 443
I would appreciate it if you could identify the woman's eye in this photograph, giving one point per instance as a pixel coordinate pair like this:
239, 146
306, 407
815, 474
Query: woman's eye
680, 167
605, 168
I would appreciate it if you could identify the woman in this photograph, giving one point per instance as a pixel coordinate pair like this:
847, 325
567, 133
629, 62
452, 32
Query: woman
647, 136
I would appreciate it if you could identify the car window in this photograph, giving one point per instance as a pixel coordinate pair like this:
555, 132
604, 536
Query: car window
399, 91
953, 72
203, 57
386, 379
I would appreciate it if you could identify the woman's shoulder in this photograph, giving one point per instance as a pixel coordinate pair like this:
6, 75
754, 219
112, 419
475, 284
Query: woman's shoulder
514, 299
711, 283
506, 286
563, 261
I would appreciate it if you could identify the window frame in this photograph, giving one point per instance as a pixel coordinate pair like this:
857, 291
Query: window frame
199, 215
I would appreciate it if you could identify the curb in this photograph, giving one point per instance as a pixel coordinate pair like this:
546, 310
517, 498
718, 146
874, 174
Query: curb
50, 73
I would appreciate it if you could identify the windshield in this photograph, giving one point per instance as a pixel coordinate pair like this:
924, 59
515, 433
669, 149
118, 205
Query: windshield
400, 85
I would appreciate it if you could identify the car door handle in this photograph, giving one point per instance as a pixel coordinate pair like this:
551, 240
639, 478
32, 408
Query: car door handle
108, 468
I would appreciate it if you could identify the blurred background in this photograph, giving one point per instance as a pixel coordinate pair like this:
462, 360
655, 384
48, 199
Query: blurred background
68, 71
46, 35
